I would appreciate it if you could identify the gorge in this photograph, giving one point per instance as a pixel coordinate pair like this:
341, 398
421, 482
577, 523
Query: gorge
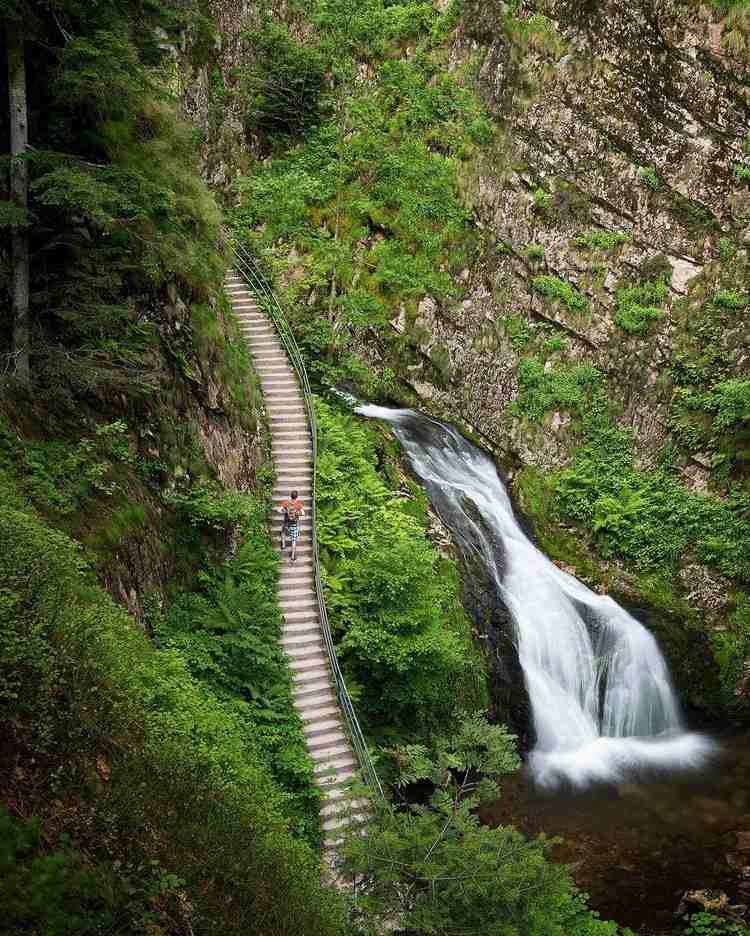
520, 229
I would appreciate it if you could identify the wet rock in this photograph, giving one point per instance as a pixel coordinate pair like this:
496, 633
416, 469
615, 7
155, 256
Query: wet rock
709, 901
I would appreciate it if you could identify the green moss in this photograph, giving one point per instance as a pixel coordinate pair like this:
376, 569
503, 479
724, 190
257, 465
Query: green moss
541, 389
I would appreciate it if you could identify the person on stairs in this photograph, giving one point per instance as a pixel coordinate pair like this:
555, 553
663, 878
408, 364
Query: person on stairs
292, 510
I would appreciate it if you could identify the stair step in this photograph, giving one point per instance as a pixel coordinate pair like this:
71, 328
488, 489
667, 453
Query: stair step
321, 726
313, 690
311, 703
332, 739
339, 823
323, 713
300, 629
342, 805
302, 665
332, 765
314, 653
301, 641
290, 603
300, 573
335, 749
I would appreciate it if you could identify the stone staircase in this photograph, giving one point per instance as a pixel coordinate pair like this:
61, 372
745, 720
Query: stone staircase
302, 637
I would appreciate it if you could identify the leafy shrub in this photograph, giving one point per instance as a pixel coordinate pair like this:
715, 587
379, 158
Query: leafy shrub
534, 253
557, 290
60, 893
517, 329
543, 200
647, 175
437, 869
648, 518
285, 82
227, 631
732, 647
59, 476
708, 924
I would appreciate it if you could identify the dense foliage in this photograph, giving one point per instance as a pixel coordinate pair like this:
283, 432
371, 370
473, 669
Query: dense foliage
176, 825
393, 602
150, 755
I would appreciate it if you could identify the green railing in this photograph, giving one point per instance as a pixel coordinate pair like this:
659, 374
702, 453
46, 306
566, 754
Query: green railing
247, 269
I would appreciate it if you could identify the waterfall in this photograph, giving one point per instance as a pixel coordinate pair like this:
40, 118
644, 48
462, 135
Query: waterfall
601, 699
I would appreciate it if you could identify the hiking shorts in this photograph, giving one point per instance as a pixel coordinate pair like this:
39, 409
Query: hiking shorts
292, 531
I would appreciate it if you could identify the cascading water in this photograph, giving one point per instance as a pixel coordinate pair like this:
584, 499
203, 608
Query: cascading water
599, 688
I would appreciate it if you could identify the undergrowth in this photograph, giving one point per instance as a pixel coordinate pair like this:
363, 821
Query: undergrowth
394, 603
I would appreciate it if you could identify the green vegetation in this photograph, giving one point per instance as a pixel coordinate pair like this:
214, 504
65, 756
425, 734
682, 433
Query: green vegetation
394, 604
710, 413
116, 749
517, 330
637, 307
708, 924
227, 632
438, 870
731, 647
601, 240
543, 200
557, 290
647, 517
541, 388
369, 198
152, 754
534, 253
647, 175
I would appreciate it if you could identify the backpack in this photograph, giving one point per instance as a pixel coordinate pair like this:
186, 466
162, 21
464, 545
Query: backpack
292, 514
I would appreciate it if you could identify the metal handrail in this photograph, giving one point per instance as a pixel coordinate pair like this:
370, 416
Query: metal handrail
248, 270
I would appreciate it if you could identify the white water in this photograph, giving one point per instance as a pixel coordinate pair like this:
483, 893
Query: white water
601, 698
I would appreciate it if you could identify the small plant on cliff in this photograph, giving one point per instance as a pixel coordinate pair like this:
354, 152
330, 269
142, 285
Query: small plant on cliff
708, 924
534, 253
601, 240
647, 175
542, 388
557, 290
637, 307
543, 200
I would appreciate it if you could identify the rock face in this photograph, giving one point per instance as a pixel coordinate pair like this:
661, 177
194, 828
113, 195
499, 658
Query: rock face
615, 118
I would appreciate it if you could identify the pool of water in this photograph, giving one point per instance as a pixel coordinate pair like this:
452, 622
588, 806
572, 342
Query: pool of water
637, 847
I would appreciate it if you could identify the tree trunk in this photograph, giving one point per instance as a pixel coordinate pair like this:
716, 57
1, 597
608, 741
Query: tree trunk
19, 193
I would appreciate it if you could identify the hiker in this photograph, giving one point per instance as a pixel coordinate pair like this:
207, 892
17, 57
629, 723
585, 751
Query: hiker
292, 510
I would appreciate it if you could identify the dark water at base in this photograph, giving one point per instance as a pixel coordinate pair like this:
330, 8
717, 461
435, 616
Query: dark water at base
636, 848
